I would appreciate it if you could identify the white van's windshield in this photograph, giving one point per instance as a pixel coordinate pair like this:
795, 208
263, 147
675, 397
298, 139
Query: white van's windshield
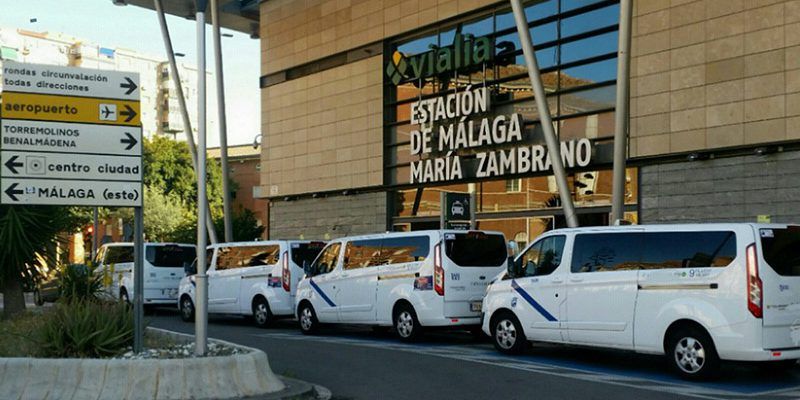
170, 256
305, 253
781, 248
476, 249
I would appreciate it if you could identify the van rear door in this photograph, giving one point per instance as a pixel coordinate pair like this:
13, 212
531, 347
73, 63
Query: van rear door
472, 259
779, 270
165, 269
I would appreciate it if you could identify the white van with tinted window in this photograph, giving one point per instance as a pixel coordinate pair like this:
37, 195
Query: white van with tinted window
409, 280
696, 293
257, 279
163, 269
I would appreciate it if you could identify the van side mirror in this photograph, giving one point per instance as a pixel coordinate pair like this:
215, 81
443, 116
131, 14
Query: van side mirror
190, 269
513, 267
307, 269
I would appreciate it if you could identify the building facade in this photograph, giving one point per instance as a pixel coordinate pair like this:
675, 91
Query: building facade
372, 109
244, 169
161, 114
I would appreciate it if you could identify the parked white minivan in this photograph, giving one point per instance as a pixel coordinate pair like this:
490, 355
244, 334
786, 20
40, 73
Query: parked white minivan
696, 293
257, 279
163, 269
408, 280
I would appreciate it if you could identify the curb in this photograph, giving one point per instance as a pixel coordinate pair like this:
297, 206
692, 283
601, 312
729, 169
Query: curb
296, 389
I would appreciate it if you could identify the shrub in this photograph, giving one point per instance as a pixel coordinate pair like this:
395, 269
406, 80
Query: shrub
88, 329
79, 282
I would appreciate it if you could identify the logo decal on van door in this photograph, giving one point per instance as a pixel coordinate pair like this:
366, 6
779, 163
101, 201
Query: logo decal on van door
321, 293
455, 276
536, 306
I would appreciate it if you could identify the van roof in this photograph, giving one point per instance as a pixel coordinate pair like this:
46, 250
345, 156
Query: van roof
118, 244
668, 227
411, 233
259, 243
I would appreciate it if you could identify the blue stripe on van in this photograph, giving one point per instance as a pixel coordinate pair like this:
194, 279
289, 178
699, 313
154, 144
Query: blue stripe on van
538, 307
321, 293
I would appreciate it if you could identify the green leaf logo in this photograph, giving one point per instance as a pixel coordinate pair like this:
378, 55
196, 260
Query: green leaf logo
396, 70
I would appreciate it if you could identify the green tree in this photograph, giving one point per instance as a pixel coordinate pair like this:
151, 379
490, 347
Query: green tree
164, 214
29, 234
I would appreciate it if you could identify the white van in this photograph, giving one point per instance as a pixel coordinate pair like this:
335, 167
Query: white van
696, 293
163, 269
257, 279
408, 280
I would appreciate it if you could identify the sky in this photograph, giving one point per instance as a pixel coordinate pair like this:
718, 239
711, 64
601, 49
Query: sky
137, 29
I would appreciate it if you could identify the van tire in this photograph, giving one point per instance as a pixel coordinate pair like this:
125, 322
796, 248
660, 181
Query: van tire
186, 307
406, 323
37, 298
508, 336
262, 316
309, 324
123, 296
691, 353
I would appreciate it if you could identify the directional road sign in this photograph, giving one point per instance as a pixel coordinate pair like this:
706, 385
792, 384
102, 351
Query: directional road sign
70, 136
60, 137
70, 81
70, 192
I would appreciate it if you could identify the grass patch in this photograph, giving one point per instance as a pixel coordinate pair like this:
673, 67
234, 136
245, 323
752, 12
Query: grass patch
17, 333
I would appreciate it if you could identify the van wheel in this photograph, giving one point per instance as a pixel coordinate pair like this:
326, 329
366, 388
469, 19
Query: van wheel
406, 324
692, 354
262, 316
187, 309
123, 296
507, 334
308, 319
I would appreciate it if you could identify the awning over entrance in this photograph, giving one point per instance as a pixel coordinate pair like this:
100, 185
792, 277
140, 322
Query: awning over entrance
237, 15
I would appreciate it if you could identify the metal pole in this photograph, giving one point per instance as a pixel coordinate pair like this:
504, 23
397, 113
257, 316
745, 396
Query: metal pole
94, 235
553, 146
223, 125
443, 213
187, 124
138, 280
201, 296
473, 206
621, 114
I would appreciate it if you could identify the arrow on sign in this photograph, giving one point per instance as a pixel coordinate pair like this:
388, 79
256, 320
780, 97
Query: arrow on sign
12, 164
129, 112
12, 192
129, 140
129, 84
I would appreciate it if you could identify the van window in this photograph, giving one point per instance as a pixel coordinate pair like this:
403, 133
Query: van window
398, 250
476, 249
543, 257
326, 262
362, 253
305, 253
781, 249
169, 256
119, 254
600, 252
664, 250
246, 256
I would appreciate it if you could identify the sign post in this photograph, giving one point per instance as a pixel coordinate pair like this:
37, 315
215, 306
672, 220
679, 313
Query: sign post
72, 137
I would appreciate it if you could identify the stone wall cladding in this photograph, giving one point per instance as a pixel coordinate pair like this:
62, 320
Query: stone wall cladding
735, 189
323, 131
713, 74
335, 216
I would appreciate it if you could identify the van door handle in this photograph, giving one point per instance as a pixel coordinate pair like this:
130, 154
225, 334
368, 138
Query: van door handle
559, 280
575, 279
344, 275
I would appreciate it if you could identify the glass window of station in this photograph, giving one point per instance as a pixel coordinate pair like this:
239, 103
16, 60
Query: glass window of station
435, 84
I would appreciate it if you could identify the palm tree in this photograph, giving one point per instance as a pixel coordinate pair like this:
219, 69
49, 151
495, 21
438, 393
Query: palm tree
26, 233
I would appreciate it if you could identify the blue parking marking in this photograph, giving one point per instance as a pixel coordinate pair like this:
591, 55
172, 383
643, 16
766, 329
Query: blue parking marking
538, 307
321, 293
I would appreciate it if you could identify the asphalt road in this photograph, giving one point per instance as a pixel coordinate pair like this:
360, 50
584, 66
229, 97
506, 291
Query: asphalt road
357, 363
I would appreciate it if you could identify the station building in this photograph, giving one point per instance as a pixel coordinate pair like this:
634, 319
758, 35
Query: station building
367, 105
